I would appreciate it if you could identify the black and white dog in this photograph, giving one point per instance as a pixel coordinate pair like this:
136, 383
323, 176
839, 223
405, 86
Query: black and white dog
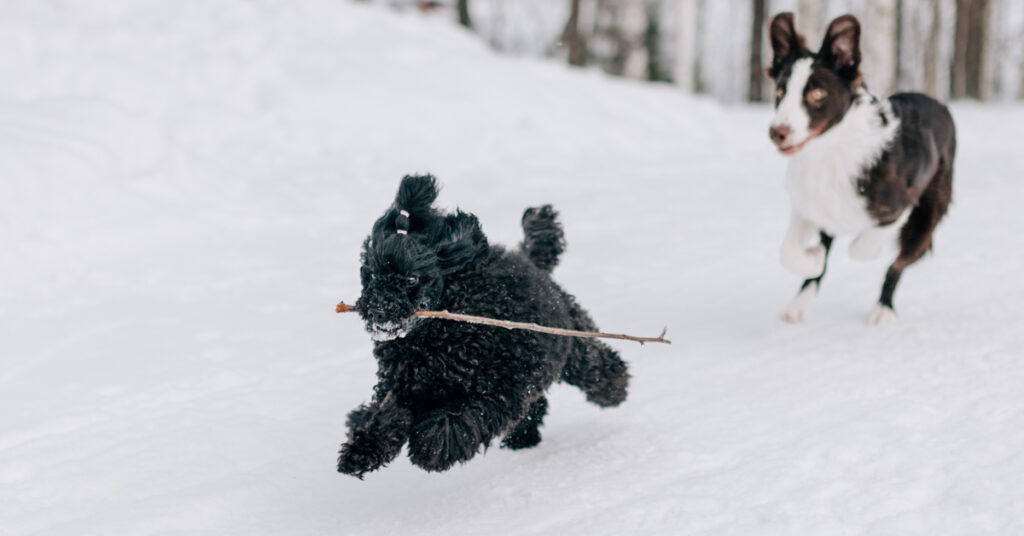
857, 164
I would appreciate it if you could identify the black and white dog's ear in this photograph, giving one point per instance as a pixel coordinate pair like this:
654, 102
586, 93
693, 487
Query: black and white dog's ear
786, 43
840, 51
462, 243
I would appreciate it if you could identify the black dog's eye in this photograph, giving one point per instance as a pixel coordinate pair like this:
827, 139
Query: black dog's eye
413, 280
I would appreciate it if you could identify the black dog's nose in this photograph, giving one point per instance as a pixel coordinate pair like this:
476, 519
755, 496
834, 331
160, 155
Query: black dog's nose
779, 134
376, 315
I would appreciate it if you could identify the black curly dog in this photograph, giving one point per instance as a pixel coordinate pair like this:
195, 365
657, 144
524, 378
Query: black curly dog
449, 388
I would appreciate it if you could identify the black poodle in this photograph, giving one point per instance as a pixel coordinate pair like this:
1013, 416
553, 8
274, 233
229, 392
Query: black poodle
449, 388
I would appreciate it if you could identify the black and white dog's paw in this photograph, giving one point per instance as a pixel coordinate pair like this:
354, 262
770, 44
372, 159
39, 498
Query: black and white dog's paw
881, 315
795, 311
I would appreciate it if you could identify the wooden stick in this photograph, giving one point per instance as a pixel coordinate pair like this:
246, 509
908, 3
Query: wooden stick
508, 324
344, 308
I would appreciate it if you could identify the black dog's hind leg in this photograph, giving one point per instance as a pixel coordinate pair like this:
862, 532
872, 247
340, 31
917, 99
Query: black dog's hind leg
598, 371
376, 433
526, 433
797, 308
592, 365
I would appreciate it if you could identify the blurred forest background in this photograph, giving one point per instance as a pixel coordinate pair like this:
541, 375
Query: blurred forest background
950, 49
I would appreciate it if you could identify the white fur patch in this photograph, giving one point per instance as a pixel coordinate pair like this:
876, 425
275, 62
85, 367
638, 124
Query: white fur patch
795, 311
387, 331
868, 244
821, 179
791, 112
806, 262
795, 255
881, 315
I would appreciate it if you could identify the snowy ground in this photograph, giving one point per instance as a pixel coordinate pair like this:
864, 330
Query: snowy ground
183, 190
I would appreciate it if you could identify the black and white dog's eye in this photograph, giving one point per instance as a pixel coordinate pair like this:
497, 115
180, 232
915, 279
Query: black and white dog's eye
816, 96
413, 280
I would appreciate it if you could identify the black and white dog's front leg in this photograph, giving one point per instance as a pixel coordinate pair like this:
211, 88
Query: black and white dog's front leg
799, 258
797, 309
376, 433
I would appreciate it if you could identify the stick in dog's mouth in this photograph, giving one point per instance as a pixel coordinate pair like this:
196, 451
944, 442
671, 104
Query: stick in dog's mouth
508, 324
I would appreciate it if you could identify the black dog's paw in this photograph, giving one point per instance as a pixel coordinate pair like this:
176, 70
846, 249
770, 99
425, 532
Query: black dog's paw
535, 215
611, 392
356, 461
543, 240
441, 439
521, 439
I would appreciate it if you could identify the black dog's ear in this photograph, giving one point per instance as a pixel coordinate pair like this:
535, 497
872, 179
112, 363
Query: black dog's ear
840, 51
462, 243
786, 43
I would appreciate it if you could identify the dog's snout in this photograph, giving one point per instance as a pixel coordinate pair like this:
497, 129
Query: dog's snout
377, 315
779, 134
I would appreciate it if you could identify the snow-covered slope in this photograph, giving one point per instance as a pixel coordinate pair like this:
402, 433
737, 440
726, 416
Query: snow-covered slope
183, 190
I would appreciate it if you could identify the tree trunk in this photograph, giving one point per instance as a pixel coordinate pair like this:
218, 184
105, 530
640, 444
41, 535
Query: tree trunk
757, 62
632, 24
464, 19
810, 21
652, 42
685, 71
931, 60
572, 37
968, 57
1020, 88
899, 45
880, 19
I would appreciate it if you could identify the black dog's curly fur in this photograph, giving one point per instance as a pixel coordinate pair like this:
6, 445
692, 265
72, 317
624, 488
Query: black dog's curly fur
449, 388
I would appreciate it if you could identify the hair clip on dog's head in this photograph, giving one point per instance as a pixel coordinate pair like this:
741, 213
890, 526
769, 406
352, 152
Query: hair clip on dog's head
402, 222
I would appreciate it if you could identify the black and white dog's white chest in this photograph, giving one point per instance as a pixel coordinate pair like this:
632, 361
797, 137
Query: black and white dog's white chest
827, 180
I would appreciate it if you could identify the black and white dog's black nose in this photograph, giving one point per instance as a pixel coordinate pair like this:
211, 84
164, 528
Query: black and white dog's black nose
779, 134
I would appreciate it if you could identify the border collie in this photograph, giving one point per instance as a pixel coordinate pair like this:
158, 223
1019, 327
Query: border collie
857, 164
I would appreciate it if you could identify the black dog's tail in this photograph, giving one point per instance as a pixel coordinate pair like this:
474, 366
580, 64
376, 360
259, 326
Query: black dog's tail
544, 240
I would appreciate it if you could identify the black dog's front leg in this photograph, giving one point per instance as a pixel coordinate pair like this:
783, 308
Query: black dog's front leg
376, 433
455, 433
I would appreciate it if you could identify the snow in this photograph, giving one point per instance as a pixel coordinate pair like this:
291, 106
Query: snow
185, 188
